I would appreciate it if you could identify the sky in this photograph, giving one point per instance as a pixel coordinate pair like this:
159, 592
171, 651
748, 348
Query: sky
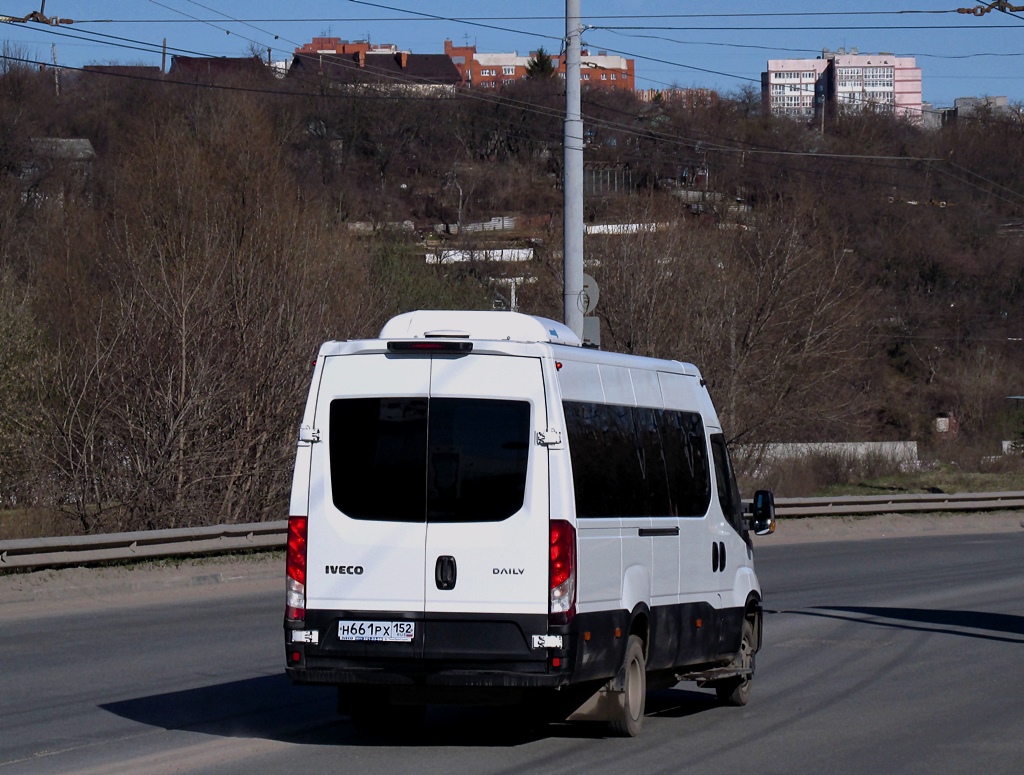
717, 44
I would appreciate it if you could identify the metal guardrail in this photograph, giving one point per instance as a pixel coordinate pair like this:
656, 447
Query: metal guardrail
847, 505
143, 544
29, 553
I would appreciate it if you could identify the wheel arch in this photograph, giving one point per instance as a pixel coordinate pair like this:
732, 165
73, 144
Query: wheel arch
640, 625
754, 613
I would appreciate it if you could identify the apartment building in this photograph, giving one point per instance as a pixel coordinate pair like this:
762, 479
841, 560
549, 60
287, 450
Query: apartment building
490, 71
688, 99
843, 81
794, 87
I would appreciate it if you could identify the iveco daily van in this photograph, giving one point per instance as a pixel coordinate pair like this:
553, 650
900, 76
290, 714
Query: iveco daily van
485, 511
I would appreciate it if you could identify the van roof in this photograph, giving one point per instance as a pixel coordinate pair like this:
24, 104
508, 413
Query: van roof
480, 325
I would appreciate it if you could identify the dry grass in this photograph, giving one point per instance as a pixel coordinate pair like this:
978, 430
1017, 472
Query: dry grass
838, 474
33, 523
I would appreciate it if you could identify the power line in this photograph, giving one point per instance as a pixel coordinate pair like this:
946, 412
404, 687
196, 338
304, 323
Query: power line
346, 19
829, 28
434, 17
211, 24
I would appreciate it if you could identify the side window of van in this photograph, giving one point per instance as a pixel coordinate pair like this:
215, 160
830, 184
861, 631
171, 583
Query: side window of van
437, 460
637, 461
728, 492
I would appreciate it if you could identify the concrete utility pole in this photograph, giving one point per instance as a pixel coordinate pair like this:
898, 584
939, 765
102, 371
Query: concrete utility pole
56, 70
572, 182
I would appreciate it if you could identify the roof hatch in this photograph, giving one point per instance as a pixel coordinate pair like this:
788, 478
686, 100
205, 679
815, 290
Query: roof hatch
480, 325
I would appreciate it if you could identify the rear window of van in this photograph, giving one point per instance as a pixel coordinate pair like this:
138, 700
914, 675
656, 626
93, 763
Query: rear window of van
436, 460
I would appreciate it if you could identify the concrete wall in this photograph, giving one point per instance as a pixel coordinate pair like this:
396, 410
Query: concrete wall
898, 451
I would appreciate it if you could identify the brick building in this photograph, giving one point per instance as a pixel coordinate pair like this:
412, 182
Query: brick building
359, 62
489, 71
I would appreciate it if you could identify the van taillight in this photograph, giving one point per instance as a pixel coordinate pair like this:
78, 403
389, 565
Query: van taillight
562, 572
295, 600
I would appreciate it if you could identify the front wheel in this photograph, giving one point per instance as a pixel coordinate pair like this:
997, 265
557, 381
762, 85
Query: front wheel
634, 691
736, 691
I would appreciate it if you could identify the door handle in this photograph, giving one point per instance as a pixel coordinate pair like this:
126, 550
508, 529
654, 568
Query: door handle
445, 572
647, 532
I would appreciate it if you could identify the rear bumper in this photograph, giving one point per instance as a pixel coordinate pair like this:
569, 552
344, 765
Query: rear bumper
448, 650
424, 676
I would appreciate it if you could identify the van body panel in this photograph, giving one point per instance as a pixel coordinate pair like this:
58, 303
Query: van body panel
617, 385
665, 551
580, 381
682, 391
647, 388
600, 656
744, 584
599, 543
636, 584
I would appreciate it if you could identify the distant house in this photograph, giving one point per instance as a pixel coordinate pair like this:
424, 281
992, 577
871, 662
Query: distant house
213, 70
359, 63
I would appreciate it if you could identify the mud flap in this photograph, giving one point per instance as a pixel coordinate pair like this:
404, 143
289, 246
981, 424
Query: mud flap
606, 704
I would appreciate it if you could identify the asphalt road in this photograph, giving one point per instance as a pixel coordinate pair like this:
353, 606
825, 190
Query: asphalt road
895, 655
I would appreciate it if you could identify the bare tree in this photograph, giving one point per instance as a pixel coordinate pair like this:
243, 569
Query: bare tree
768, 310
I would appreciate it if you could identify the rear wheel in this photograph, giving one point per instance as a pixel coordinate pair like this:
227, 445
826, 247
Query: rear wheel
736, 691
634, 691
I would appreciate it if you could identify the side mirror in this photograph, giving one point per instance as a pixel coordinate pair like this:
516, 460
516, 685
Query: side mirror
762, 511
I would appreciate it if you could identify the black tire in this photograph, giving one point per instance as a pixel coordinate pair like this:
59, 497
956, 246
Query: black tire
736, 691
634, 691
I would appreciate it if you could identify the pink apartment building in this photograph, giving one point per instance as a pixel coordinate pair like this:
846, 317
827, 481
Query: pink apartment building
843, 80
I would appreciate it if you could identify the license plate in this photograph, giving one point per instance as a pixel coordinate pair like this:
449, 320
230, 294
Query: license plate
390, 632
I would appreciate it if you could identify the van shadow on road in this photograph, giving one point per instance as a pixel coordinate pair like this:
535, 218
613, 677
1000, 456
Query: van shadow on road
272, 708
968, 624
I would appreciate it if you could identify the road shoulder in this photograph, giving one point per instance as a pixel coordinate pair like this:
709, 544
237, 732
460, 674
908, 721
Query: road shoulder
792, 530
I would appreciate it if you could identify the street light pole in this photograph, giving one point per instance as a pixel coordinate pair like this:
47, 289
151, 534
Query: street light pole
572, 183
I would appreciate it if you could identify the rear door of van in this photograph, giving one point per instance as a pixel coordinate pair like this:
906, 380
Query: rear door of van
428, 501
487, 486
366, 523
